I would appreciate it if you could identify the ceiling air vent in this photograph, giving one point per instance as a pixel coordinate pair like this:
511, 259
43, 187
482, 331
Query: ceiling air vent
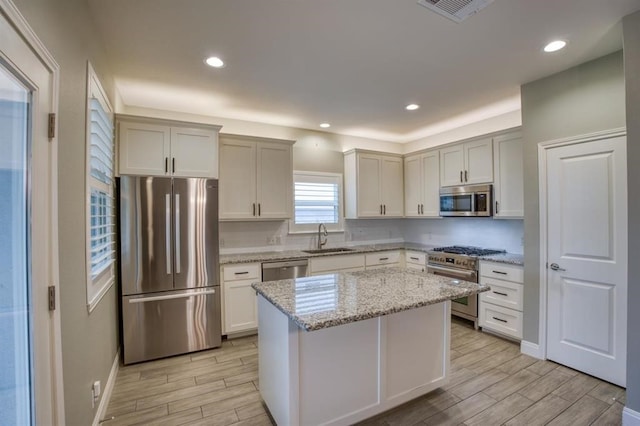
456, 10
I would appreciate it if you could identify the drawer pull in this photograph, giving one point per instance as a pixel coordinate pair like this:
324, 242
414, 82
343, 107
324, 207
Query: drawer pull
500, 272
414, 258
500, 319
501, 294
241, 273
384, 258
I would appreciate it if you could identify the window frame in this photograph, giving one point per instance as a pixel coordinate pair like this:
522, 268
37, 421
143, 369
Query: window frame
313, 227
99, 285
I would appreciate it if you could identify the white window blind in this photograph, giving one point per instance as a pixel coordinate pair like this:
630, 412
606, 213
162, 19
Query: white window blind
101, 229
317, 199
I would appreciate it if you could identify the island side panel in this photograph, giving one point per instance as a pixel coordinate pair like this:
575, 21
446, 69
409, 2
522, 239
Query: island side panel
339, 372
278, 363
417, 352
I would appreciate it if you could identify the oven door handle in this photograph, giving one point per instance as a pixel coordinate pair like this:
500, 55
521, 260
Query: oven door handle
471, 274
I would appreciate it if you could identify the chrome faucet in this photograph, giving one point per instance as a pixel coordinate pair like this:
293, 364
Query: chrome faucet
320, 233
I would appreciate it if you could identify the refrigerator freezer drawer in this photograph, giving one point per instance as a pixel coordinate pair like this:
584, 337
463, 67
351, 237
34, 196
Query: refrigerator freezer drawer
163, 324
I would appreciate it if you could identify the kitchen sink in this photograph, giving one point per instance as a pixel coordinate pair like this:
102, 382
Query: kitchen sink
328, 250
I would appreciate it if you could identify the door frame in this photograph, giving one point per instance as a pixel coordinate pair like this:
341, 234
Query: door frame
22, 27
543, 148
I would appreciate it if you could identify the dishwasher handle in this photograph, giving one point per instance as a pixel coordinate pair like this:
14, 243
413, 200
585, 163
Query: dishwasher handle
287, 264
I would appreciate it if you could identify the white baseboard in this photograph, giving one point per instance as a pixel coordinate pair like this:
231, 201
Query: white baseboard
630, 417
106, 394
531, 349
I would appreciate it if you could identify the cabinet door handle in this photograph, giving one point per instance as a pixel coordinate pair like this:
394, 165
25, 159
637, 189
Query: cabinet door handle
465, 176
414, 258
241, 273
499, 319
499, 272
254, 209
381, 209
501, 294
422, 208
166, 164
384, 209
383, 258
259, 209
173, 165
418, 208
461, 176
497, 207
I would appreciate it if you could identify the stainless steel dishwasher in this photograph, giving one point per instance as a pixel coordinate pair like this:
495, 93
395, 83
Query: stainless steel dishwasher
273, 271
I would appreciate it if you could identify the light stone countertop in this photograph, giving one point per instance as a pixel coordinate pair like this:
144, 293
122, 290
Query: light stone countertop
507, 258
276, 256
323, 301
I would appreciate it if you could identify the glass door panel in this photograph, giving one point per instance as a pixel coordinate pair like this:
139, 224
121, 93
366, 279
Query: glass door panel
16, 391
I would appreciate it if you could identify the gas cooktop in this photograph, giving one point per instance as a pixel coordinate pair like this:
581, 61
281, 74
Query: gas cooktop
468, 251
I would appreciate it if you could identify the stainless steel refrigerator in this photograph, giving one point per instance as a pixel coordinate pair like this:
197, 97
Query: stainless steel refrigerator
169, 266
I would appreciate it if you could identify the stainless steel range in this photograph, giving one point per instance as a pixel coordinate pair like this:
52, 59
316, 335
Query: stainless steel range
460, 262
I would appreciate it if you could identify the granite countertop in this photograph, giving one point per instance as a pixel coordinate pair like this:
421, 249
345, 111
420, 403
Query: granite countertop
323, 301
508, 258
275, 256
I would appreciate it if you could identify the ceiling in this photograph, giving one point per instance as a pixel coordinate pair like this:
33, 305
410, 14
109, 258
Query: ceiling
352, 63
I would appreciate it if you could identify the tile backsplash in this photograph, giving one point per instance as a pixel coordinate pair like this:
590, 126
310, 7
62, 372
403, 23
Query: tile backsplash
483, 232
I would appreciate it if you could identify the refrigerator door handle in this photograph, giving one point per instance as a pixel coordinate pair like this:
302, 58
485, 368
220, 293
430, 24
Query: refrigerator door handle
172, 296
178, 260
167, 231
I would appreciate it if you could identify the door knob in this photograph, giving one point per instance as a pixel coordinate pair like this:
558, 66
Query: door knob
556, 267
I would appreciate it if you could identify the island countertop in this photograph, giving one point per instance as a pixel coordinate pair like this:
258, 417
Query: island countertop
323, 301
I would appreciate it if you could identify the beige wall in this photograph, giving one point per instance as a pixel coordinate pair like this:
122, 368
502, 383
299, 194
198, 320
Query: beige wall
89, 342
631, 29
584, 99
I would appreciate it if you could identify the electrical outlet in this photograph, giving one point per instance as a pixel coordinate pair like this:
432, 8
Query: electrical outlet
95, 393
522, 241
278, 240
271, 241
221, 242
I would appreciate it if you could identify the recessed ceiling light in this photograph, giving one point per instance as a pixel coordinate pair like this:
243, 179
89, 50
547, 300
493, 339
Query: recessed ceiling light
325, 125
554, 46
215, 62
412, 107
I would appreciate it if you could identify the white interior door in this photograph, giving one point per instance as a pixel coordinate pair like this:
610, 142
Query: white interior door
30, 385
587, 257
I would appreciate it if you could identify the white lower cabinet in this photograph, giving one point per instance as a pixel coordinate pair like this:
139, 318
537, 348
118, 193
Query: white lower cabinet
500, 308
383, 259
415, 260
338, 263
239, 301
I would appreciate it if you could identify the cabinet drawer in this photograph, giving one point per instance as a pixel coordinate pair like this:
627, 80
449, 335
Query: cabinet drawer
416, 267
502, 293
415, 257
502, 320
336, 263
383, 258
248, 271
501, 271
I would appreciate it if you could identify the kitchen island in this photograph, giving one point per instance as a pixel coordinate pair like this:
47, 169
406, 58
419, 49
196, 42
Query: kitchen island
339, 348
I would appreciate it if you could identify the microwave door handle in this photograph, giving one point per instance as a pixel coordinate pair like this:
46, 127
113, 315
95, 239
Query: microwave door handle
473, 203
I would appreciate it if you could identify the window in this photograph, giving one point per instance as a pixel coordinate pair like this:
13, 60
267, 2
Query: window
100, 195
317, 199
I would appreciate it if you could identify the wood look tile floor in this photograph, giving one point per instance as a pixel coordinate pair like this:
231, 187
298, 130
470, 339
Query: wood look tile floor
491, 384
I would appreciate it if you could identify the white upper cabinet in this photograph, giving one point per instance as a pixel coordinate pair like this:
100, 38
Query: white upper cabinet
256, 178
508, 182
151, 147
373, 185
467, 163
422, 185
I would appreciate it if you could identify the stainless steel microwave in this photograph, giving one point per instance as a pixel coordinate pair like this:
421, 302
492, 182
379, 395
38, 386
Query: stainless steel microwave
471, 200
